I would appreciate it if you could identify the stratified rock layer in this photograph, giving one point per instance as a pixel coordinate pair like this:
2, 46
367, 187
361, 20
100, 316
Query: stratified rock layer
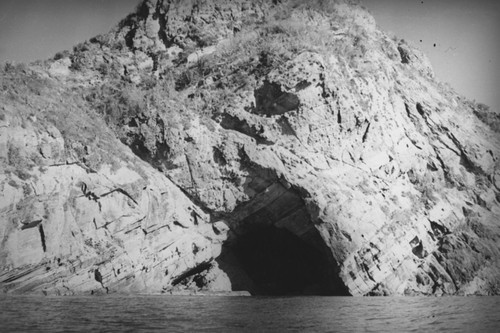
268, 146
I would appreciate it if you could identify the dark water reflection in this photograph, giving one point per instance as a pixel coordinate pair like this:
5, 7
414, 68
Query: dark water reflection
236, 314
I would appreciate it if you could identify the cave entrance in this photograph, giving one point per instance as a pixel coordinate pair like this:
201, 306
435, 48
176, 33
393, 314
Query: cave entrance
275, 249
277, 262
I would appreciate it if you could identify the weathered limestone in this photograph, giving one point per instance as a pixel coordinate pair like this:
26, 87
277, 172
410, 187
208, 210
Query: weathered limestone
342, 145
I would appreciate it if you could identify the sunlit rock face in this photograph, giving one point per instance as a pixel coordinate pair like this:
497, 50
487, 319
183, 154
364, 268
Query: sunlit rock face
273, 147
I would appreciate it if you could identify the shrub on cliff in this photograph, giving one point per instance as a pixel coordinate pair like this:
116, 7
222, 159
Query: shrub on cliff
487, 116
117, 101
19, 81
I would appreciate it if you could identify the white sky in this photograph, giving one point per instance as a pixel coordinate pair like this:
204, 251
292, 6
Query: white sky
467, 51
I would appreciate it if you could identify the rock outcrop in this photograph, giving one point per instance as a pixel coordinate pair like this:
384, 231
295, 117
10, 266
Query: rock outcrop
269, 146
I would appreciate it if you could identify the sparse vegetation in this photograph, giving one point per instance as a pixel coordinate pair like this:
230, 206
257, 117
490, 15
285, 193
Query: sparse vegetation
487, 116
61, 55
177, 93
426, 184
19, 80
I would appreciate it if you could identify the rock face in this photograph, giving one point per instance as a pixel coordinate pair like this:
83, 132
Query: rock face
268, 146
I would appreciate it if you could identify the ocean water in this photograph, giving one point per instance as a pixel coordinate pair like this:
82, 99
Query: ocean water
248, 314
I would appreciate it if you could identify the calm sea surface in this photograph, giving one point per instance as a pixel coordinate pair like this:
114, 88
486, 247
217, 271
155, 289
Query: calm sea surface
237, 314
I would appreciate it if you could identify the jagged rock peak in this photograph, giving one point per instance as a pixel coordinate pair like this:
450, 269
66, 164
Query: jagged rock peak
202, 23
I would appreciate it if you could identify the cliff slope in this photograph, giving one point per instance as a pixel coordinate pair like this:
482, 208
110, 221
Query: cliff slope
269, 146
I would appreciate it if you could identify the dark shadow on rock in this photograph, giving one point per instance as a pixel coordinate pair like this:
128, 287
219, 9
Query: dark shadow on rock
271, 100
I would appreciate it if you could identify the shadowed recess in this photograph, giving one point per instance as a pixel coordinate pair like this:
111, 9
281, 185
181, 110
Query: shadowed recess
280, 263
276, 249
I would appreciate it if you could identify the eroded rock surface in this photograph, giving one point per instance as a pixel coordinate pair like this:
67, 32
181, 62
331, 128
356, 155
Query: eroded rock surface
268, 146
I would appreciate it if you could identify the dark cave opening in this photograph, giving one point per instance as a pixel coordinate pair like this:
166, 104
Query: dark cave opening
272, 248
276, 262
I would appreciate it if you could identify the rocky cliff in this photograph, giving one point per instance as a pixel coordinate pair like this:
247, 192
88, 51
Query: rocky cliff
270, 146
